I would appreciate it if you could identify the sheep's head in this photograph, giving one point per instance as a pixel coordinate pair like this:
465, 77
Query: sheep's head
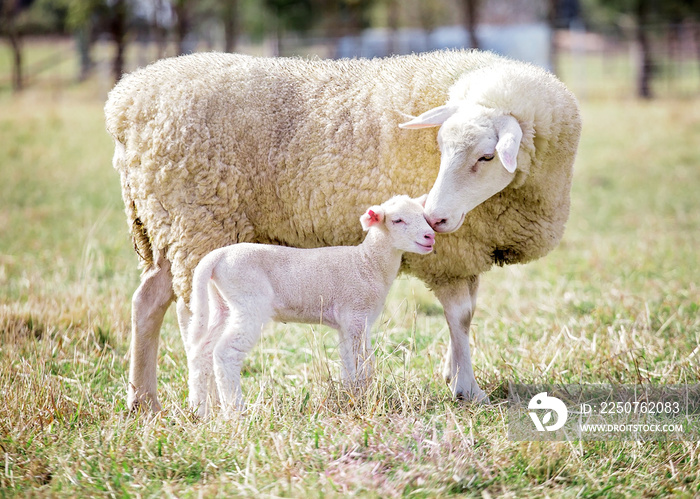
404, 220
470, 137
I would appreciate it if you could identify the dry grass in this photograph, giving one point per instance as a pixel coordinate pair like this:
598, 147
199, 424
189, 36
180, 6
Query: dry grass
617, 301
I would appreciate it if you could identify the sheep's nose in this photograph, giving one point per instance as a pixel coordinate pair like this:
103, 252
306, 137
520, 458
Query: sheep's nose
430, 237
437, 222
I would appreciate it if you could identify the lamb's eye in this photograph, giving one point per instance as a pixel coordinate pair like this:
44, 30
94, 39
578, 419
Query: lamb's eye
397, 221
486, 157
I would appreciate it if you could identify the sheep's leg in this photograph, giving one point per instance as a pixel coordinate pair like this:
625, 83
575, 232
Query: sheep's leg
459, 301
148, 306
356, 354
239, 337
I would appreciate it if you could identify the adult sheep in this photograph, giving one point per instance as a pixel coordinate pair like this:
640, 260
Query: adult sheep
214, 149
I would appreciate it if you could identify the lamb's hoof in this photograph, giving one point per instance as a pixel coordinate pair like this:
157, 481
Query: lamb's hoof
197, 412
234, 412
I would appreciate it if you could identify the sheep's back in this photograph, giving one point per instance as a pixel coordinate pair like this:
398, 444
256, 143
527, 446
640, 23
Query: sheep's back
223, 148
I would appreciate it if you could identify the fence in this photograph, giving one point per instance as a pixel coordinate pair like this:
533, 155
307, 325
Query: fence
594, 65
606, 64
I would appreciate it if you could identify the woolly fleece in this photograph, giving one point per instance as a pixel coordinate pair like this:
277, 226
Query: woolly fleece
214, 149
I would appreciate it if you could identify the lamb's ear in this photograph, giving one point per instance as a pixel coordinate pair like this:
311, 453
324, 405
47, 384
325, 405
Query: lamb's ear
372, 216
421, 200
434, 117
509, 136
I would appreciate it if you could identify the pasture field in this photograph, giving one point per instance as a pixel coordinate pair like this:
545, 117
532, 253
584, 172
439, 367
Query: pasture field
617, 301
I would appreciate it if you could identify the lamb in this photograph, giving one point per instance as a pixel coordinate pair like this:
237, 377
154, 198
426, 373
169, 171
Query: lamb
343, 287
215, 149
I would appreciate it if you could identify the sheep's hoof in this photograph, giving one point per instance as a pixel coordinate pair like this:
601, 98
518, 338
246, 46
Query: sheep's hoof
478, 397
143, 405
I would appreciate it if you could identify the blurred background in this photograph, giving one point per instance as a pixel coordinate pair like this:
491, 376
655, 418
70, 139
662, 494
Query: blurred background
617, 302
601, 48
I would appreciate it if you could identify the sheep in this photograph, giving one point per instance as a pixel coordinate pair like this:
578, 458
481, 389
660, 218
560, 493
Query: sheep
215, 149
342, 286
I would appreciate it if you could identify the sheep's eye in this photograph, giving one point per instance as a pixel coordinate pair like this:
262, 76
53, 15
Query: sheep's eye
486, 157
397, 221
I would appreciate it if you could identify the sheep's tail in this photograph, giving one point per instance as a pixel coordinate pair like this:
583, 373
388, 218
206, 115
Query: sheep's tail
199, 299
139, 234
139, 237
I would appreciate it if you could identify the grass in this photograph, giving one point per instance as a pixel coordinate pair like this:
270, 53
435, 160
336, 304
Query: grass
617, 301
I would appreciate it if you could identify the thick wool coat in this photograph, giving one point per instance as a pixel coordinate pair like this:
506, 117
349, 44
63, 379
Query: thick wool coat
214, 149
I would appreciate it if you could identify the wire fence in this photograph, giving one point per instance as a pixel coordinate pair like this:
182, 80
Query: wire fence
594, 64
607, 64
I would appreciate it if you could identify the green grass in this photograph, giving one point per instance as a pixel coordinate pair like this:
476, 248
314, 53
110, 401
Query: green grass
617, 301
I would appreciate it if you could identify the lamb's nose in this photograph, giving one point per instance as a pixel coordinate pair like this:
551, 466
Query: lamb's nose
430, 237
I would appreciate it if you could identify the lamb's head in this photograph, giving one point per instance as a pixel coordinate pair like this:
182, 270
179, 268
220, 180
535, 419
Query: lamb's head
470, 137
403, 218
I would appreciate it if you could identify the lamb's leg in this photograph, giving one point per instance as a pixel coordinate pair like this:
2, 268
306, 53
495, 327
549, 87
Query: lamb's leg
200, 367
356, 354
183, 321
239, 337
200, 360
148, 306
459, 301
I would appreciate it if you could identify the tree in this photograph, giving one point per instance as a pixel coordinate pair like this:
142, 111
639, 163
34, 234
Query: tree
114, 17
552, 16
677, 11
229, 16
470, 15
81, 19
297, 15
118, 27
645, 13
11, 13
561, 14
641, 12
159, 19
183, 25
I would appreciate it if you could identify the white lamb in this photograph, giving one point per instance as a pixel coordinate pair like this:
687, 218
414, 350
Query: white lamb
343, 287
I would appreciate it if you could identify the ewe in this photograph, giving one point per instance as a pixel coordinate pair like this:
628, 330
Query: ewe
343, 287
216, 149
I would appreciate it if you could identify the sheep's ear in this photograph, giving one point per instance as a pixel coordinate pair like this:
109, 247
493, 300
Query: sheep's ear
509, 136
421, 200
372, 216
434, 117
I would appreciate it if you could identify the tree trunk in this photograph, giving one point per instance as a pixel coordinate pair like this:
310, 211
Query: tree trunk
279, 33
393, 22
159, 32
183, 24
470, 10
16, 44
83, 38
8, 22
230, 15
696, 32
552, 16
118, 30
646, 64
